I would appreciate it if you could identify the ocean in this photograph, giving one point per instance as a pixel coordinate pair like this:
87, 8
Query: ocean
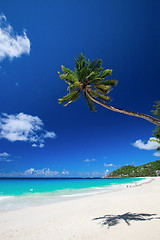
21, 193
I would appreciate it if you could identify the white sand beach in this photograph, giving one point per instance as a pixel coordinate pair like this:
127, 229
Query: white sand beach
131, 213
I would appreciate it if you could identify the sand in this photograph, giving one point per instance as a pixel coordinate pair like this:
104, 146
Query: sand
131, 213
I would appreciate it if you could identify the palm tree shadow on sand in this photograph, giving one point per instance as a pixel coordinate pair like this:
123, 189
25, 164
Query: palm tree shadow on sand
113, 220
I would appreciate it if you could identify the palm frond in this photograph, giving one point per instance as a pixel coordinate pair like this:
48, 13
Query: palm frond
69, 78
102, 97
156, 112
80, 61
106, 73
63, 77
95, 65
67, 70
103, 89
70, 97
75, 86
82, 74
110, 82
156, 132
65, 98
106, 82
90, 103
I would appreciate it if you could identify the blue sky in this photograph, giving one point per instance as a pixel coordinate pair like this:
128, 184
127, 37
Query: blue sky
39, 137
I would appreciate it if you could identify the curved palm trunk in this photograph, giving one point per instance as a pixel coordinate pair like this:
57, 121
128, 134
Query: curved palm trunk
135, 114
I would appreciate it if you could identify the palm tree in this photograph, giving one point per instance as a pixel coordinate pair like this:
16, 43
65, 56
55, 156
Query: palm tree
90, 78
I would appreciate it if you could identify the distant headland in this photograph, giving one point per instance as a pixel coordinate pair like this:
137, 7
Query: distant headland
150, 169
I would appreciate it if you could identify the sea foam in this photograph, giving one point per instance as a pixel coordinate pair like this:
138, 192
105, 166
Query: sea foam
2, 198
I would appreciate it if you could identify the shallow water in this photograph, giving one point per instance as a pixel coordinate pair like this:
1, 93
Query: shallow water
20, 193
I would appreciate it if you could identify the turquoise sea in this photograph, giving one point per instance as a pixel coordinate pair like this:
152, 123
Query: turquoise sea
20, 193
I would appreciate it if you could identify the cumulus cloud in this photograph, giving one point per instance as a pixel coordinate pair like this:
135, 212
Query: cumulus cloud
64, 172
11, 44
89, 160
108, 165
49, 135
45, 172
4, 157
23, 127
150, 145
41, 145
157, 154
29, 171
4, 154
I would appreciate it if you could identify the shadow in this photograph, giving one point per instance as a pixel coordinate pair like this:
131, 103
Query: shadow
112, 220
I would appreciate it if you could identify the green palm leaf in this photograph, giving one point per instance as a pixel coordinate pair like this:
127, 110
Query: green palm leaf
87, 76
70, 97
75, 86
107, 82
90, 104
106, 73
103, 89
95, 65
66, 70
102, 97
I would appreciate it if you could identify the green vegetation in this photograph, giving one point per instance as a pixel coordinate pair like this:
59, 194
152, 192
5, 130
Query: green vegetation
90, 78
156, 132
147, 170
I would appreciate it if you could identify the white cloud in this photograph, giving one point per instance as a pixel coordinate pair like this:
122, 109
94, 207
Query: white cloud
5, 160
157, 154
49, 135
64, 172
150, 145
4, 157
41, 145
106, 172
34, 145
23, 127
4, 154
45, 172
29, 171
11, 44
89, 160
109, 165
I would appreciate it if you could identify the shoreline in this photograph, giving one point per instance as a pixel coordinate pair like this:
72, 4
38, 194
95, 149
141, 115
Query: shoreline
13, 203
127, 214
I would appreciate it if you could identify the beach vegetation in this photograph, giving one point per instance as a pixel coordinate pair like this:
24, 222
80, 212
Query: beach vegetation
150, 169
